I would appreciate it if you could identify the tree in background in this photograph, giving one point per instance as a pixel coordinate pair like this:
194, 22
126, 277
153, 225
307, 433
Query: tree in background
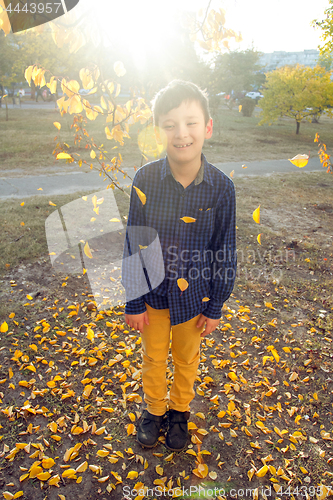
325, 60
238, 71
298, 92
104, 78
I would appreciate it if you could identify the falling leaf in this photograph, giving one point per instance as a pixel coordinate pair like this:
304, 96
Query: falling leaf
22, 204
182, 283
92, 154
119, 68
52, 204
259, 238
63, 156
141, 195
57, 125
188, 219
87, 250
232, 173
256, 215
300, 160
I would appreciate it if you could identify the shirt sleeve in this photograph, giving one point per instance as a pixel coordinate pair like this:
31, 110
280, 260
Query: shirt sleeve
223, 246
133, 279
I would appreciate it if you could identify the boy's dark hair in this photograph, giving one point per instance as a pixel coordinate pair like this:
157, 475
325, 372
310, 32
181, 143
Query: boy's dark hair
174, 94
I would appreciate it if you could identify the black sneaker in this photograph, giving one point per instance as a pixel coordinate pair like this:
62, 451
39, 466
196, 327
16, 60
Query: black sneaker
177, 434
149, 429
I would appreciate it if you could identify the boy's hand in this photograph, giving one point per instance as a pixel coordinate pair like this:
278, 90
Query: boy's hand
137, 321
211, 324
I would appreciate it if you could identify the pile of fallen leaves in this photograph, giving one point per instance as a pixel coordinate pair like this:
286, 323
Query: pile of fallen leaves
71, 396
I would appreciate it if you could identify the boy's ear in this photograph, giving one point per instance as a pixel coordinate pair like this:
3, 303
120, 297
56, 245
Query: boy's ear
209, 129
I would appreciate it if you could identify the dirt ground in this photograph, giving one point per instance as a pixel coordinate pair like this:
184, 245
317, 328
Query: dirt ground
262, 415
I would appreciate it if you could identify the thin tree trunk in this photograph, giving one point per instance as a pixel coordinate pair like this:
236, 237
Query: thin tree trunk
297, 127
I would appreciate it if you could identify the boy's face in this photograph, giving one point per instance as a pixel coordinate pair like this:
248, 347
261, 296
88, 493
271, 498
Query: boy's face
183, 131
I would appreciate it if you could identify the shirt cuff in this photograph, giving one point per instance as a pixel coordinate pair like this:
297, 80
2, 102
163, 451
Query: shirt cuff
136, 306
213, 310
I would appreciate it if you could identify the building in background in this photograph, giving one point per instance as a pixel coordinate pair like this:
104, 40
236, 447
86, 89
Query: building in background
277, 59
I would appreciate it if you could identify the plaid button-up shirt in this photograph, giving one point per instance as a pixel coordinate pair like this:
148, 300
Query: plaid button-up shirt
202, 251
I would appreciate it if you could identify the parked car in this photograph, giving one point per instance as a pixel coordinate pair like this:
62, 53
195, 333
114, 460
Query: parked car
254, 95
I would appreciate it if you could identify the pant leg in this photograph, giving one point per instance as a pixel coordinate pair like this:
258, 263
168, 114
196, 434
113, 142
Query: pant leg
155, 349
185, 348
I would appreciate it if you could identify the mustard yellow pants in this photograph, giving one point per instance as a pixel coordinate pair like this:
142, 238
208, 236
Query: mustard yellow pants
185, 350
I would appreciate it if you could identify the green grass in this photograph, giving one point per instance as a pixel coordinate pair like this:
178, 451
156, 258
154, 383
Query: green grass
28, 140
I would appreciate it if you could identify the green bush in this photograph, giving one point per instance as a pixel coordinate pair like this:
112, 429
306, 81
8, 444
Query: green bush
248, 106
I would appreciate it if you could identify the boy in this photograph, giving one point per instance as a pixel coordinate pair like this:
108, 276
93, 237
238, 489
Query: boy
191, 205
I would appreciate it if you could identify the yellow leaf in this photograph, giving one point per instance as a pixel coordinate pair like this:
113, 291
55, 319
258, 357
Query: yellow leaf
18, 494
52, 204
200, 415
232, 173
22, 204
8, 495
132, 417
133, 474
275, 354
182, 283
4, 327
87, 391
188, 219
57, 125
87, 250
90, 333
259, 238
261, 472
300, 160
92, 154
205, 299
55, 437
130, 429
43, 476
63, 156
102, 453
212, 475
82, 467
232, 376
68, 473
304, 470
54, 480
256, 215
141, 195
47, 463
159, 470
119, 68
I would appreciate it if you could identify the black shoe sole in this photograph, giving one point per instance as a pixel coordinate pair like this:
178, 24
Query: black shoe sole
146, 445
175, 449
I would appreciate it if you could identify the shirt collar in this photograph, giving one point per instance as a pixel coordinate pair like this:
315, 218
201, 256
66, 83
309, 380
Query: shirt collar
203, 174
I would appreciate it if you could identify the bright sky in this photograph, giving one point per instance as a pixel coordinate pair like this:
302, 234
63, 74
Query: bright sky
267, 25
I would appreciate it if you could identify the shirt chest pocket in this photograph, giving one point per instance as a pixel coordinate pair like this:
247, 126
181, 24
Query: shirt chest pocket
204, 222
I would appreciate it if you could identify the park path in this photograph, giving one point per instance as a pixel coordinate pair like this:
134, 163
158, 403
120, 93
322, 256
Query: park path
65, 183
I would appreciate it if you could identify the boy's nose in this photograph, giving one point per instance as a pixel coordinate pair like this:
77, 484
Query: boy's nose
181, 131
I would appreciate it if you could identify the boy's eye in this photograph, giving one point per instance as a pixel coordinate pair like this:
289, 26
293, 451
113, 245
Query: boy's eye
168, 127
192, 123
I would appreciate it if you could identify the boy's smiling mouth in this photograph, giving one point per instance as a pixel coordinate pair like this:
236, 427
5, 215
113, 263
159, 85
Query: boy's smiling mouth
183, 145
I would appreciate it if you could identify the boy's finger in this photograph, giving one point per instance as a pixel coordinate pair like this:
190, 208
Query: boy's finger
201, 321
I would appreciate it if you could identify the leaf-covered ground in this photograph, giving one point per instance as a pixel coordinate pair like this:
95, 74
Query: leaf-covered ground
261, 421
